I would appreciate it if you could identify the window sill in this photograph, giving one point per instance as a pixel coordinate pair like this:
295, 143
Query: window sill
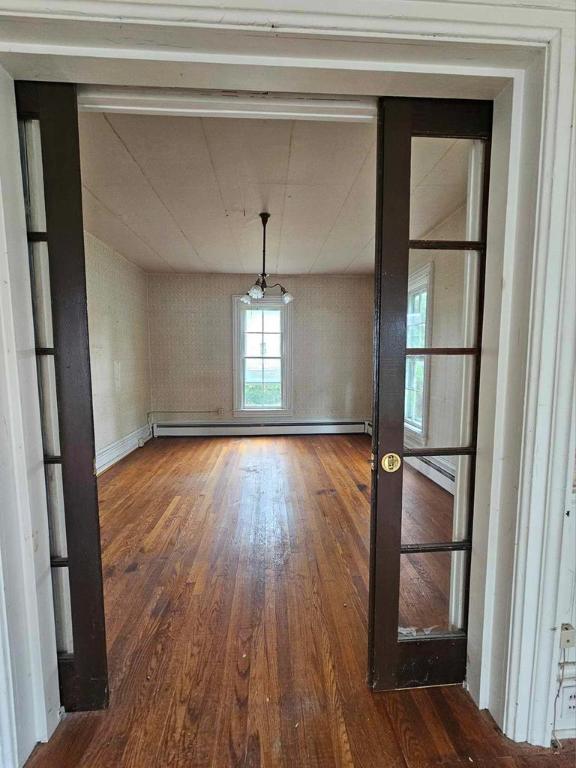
261, 412
412, 438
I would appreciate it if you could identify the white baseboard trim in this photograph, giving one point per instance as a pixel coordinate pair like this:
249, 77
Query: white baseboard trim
216, 429
436, 474
563, 734
112, 453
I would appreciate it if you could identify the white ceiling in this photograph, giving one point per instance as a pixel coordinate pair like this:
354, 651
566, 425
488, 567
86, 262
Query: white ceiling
183, 194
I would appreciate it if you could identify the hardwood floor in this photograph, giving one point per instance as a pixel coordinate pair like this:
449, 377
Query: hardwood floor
236, 591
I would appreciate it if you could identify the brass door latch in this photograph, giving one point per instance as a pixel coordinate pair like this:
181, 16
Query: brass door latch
391, 462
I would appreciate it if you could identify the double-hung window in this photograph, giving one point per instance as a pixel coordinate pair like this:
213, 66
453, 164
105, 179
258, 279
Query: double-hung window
417, 366
262, 355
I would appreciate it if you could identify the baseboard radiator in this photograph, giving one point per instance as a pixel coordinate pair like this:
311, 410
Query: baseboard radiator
221, 429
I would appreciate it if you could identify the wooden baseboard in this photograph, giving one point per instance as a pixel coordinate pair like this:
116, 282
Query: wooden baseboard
115, 451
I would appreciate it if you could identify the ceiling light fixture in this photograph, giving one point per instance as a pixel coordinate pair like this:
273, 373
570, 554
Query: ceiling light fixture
258, 290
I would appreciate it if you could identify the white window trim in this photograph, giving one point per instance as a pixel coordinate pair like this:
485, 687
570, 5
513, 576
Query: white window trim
423, 277
286, 353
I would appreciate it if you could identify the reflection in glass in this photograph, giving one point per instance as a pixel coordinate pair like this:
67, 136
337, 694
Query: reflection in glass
416, 375
32, 174
445, 189
435, 499
48, 405
41, 299
56, 519
438, 401
442, 298
62, 610
431, 593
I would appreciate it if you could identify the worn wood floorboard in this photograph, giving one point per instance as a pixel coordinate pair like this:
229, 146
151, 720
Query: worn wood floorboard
236, 589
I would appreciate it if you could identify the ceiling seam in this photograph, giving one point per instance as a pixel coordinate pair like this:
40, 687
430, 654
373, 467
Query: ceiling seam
360, 252
153, 188
352, 185
288, 160
439, 223
220, 193
436, 164
128, 227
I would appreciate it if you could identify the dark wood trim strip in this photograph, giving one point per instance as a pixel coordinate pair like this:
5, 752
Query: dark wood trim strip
59, 562
447, 245
451, 118
437, 660
457, 634
467, 450
52, 459
452, 546
442, 351
394, 144
37, 237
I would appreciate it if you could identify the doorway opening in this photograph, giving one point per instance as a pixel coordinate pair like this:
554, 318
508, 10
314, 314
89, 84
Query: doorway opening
249, 535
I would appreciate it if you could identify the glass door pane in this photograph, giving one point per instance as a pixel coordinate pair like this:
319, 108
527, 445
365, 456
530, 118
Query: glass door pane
446, 188
32, 174
442, 298
438, 401
435, 499
431, 594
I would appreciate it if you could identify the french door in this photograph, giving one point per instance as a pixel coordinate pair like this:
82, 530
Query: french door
50, 158
432, 191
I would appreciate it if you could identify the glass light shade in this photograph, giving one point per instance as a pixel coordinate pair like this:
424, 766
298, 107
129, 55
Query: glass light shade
287, 297
256, 292
246, 299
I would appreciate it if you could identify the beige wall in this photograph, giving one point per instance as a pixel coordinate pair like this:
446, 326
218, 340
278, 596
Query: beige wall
118, 325
191, 344
186, 363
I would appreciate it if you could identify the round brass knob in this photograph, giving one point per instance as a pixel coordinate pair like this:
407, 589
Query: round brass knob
391, 462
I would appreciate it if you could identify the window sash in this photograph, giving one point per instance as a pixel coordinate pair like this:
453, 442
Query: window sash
273, 360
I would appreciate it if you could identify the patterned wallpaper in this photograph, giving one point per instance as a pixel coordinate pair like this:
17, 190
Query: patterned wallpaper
163, 342
118, 325
191, 344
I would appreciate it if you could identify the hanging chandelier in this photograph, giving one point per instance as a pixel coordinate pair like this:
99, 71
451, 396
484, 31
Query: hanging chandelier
258, 290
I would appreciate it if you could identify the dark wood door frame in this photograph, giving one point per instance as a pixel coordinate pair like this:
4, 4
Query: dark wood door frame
394, 662
82, 673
